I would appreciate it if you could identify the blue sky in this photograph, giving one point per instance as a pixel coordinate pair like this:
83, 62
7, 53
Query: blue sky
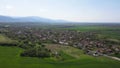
71, 10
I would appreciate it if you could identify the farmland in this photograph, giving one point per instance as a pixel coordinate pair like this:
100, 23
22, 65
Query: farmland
107, 31
9, 58
63, 56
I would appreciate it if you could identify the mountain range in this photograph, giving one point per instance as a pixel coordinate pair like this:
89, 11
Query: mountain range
29, 19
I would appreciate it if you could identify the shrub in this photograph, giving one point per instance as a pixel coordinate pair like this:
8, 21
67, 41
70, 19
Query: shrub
37, 51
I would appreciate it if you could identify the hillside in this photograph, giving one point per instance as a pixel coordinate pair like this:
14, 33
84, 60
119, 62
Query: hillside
28, 19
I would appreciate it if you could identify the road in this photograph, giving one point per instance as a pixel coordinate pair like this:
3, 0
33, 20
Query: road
115, 58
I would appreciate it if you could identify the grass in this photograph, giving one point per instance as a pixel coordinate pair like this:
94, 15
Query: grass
94, 28
9, 58
74, 58
68, 53
6, 40
117, 55
103, 31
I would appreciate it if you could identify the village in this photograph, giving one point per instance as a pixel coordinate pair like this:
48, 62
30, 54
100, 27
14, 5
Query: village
85, 41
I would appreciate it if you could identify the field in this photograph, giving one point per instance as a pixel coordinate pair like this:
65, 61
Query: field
72, 57
9, 58
4, 39
104, 31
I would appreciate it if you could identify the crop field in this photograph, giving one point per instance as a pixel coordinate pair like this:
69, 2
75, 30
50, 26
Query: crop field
105, 31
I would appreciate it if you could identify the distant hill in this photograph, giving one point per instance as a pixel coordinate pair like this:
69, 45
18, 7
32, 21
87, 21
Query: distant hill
6, 19
28, 19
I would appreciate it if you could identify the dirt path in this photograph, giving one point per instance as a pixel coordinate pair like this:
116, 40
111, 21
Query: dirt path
115, 58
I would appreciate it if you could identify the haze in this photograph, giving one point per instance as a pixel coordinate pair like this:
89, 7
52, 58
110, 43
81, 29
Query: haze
71, 10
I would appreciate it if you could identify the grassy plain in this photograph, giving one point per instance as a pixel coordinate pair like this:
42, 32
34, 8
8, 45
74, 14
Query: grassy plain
9, 58
105, 31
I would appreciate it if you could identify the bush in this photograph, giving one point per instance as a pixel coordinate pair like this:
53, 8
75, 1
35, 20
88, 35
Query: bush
36, 52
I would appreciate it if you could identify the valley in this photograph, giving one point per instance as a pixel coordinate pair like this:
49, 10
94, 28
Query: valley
47, 47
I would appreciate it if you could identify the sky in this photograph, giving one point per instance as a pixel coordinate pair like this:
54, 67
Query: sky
71, 10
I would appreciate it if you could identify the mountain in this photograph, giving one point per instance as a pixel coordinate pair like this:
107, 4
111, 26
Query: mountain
6, 19
28, 19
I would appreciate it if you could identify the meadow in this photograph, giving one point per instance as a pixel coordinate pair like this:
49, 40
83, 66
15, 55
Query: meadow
104, 31
9, 58
72, 57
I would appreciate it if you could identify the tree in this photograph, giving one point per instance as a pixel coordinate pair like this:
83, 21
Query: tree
37, 51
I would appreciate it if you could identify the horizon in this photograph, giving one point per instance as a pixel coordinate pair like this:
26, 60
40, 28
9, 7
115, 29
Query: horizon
66, 21
70, 10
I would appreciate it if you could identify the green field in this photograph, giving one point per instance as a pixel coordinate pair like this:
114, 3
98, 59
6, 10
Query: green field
9, 58
104, 31
73, 58
4, 39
